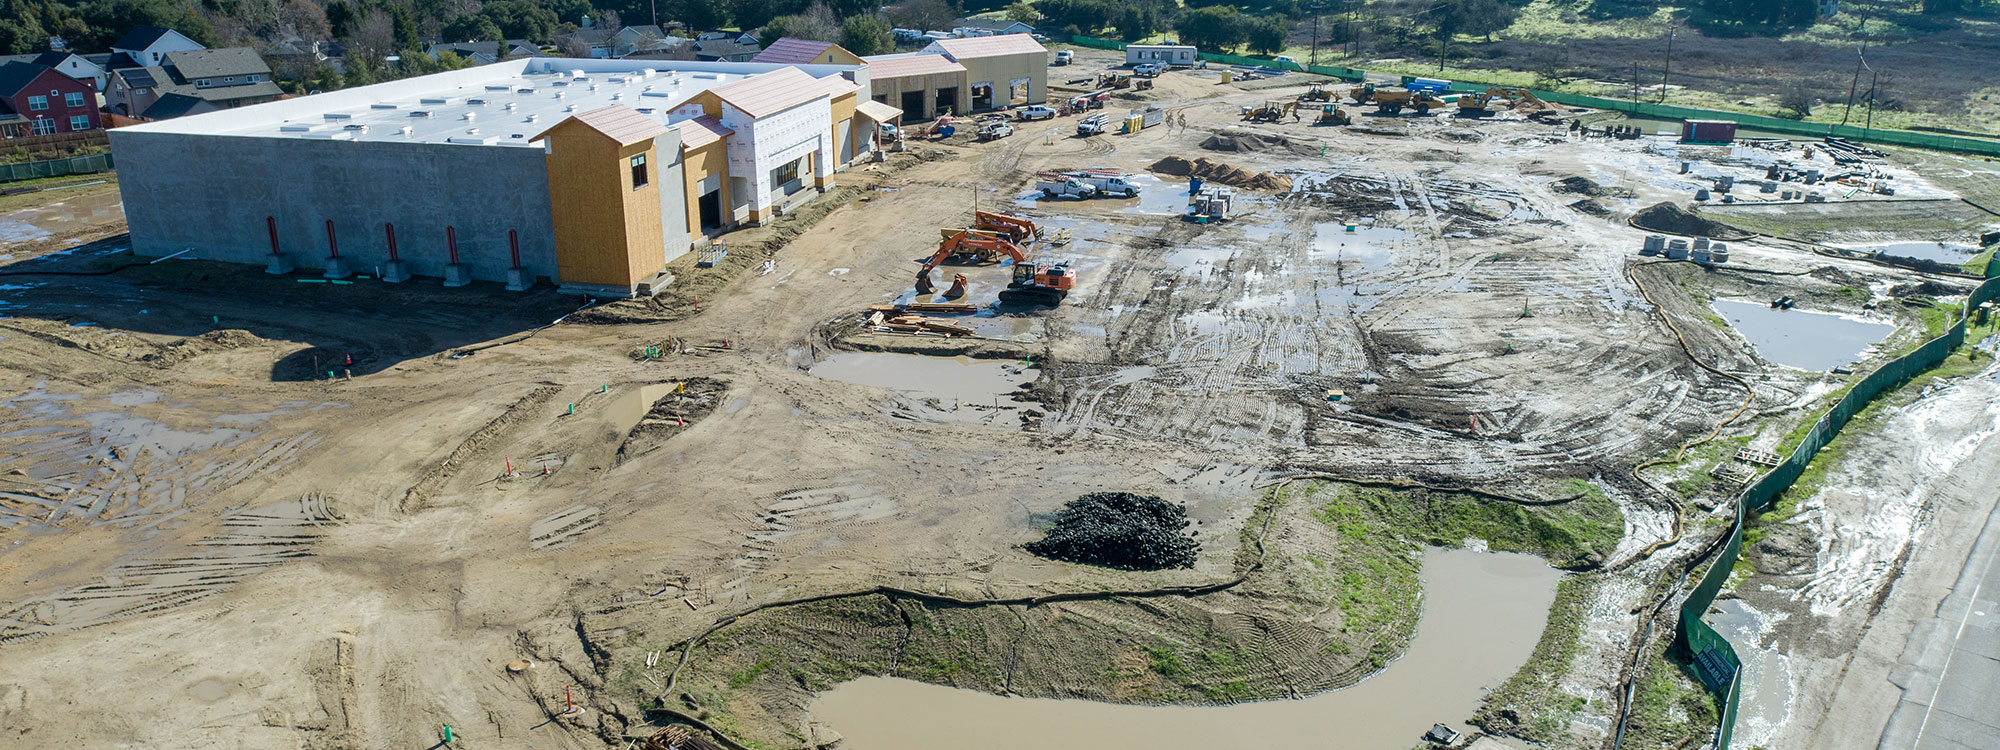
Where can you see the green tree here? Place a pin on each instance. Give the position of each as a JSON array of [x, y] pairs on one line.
[[1136, 22], [1478, 17], [1086, 15], [1022, 12], [924, 15], [698, 14], [361, 66], [817, 24], [1211, 28], [866, 35], [470, 28], [521, 19], [1267, 35]]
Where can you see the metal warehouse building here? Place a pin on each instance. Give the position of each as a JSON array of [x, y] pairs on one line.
[[589, 173]]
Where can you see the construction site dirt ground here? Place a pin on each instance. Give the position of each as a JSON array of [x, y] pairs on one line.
[[206, 541]]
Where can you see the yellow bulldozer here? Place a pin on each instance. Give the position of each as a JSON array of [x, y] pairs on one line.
[[1332, 114], [1483, 102]]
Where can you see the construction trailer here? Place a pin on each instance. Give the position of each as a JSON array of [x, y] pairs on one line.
[[1170, 55], [1708, 132]]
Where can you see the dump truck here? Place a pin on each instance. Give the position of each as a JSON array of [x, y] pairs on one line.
[[1393, 100], [1059, 185], [1108, 182]]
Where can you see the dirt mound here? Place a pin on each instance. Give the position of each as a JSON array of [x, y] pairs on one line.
[[1591, 207], [1436, 154], [1119, 530], [1213, 171], [1672, 219], [1586, 187], [1238, 141]]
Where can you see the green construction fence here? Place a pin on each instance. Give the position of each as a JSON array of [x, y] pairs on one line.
[[55, 167], [1715, 661], [1933, 141]]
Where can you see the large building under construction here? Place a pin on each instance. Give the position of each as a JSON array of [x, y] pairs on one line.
[[588, 173]]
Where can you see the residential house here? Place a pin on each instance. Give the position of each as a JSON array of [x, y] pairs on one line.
[[149, 45], [616, 44], [75, 66], [484, 53], [969, 27], [790, 51], [40, 100], [191, 82], [726, 49]]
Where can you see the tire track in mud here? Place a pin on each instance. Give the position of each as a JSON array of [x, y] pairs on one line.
[[251, 541], [433, 478]]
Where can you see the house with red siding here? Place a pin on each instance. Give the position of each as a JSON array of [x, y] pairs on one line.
[[40, 100]]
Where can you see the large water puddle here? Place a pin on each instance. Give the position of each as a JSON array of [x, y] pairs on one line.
[[949, 388], [1374, 247], [1483, 613], [1806, 340], [1942, 252], [67, 214]]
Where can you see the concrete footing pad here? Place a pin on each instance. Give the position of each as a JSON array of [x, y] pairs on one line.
[[518, 279], [336, 268], [277, 264], [457, 274], [396, 272]]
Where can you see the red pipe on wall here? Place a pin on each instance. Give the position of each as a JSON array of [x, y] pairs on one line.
[[271, 224], [451, 242], [391, 228], [332, 248], [514, 246]]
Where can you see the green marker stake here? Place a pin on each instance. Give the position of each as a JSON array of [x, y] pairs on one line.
[[447, 732], [572, 410]]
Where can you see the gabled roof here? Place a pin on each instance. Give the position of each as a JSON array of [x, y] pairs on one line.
[[142, 78], [53, 59], [789, 51], [215, 63], [176, 105], [770, 93], [648, 31], [989, 46], [15, 76], [906, 66], [617, 122], [701, 131], [721, 48], [141, 37], [117, 61], [995, 24]]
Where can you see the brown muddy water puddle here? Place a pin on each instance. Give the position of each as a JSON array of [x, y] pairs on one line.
[[66, 215], [1483, 613]]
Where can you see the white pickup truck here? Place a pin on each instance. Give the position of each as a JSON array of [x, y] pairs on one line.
[[1108, 182], [1058, 185]]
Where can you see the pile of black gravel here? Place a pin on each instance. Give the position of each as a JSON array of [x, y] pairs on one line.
[[1120, 530]]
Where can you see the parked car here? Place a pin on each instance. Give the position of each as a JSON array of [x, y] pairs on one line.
[[995, 130], [1148, 69], [1057, 185], [1064, 57], [1284, 59], [1093, 125], [1036, 112], [890, 131]]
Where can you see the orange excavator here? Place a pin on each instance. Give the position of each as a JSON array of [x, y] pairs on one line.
[[975, 245], [1016, 229], [1033, 283]]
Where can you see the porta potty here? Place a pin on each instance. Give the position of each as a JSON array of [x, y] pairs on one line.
[[1194, 185]]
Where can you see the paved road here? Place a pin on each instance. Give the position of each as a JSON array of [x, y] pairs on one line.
[[1951, 693]]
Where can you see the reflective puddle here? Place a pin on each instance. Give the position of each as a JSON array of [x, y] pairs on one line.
[[1797, 338], [67, 215], [1483, 613], [956, 378], [1942, 252]]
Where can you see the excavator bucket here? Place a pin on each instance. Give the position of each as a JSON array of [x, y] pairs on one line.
[[957, 289], [924, 284]]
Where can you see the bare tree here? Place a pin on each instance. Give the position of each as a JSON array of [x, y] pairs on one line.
[[374, 37]]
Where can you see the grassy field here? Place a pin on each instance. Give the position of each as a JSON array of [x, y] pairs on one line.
[[50, 189]]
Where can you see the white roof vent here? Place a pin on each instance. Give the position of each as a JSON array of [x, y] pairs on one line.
[[532, 118], [357, 127], [476, 102], [469, 115], [559, 95], [616, 97], [406, 130], [420, 113], [647, 72], [510, 105], [577, 73]]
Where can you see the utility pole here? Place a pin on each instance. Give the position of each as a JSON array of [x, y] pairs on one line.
[[1860, 60], [1315, 53], [1669, 67], [1873, 75], [656, 12], [1635, 88]]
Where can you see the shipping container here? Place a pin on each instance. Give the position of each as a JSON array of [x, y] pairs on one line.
[[1708, 131]]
